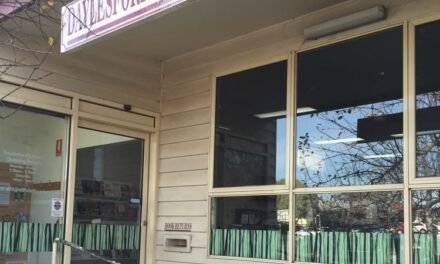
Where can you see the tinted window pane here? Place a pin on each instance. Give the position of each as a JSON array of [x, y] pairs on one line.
[[251, 127], [349, 227], [251, 227], [349, 112], [428, 99], [426, 226]]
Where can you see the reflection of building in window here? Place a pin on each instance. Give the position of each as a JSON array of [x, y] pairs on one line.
[[246, 211], [246, 161], [250, 126]]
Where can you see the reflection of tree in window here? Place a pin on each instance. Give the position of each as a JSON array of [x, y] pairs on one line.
[[427, 99], [348, 211], [244, 165], [349, 114], [428, 136], [356, 161], [426, 207]]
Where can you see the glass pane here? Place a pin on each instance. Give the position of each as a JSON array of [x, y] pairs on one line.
[[425, 226], [107, 211], [33, 154], [250, 139], [250, 227], [349, 228], [349, 112], [428, 99]]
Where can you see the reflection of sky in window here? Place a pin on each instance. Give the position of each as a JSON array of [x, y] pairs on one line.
[[281, 149], [340, 163], [426, 100]]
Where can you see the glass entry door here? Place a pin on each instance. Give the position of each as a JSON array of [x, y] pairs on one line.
[[33, 155], [108, 216]]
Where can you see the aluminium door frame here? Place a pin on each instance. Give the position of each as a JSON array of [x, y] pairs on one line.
[[98, 121]]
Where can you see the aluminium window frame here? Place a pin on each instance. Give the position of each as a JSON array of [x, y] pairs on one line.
[[412, 24], [279, 189], [365, 188], [244, 189], [403, 187], [414, 183]]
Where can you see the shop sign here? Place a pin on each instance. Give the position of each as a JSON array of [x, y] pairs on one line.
[[87, 20], [180, 227]]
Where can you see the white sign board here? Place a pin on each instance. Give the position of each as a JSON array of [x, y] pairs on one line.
[[57, 209], [182, 227], [87, 20]]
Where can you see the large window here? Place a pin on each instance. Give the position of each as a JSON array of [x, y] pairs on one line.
[[349, 134], [361, 137], [32, 179], [250, 152], [426, 199]]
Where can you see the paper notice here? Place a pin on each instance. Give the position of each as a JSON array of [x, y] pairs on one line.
[[57, 209]]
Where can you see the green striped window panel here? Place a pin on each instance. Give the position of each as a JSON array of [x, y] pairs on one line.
[[349, 247], [325, 247], [38, 237], [264, 244]]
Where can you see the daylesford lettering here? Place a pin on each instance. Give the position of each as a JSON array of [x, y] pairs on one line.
[[86, 20], [86, 13]]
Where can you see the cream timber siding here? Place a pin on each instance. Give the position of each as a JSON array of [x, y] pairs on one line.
[[277, 40], [113, 77], [34, 98], [183, 167], [186, 118]]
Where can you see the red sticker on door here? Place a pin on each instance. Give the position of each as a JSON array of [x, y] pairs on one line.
[[59, 147]]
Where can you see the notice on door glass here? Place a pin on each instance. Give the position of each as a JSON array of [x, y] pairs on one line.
[[57, 209]]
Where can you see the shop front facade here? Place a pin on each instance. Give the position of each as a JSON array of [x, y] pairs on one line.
[[265, 148]]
